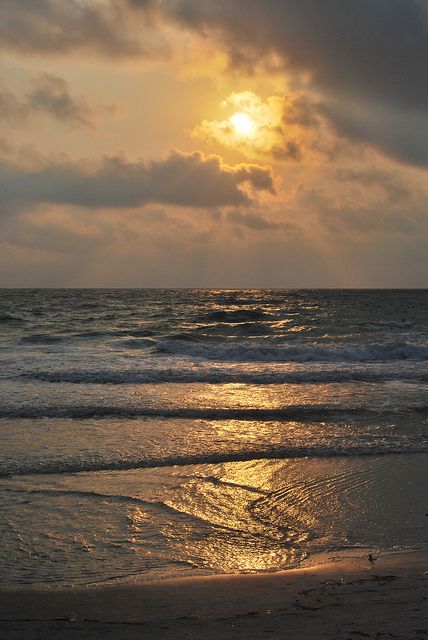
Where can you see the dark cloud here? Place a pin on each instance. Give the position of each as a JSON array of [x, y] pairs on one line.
[[65, 26], [399, 134], [49, 95], [189, 180], [365, 48]]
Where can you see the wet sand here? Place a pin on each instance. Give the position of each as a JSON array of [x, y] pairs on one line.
[[339, 598]]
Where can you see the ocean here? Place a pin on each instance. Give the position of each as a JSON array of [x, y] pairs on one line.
[[165, 433]]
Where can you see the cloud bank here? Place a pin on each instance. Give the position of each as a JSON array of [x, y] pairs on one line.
[[182, 179], [52, 27]]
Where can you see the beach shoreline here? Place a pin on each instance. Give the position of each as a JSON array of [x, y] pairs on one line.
[[341, 597]]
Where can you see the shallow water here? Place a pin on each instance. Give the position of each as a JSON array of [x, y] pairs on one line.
[[162, 433]]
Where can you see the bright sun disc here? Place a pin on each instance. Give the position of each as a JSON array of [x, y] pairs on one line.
[[242, 124]]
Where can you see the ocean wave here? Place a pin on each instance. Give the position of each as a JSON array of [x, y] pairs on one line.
[[255, 352], [384, 446], [111, 333], [140, 333], [291, 412], [421, 409], [223, 376], [221, 330], [5, 318], [129, 336], [218, 333], [85, 494], [136, 343]]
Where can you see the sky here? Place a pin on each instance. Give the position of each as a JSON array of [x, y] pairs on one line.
[[213, 143]]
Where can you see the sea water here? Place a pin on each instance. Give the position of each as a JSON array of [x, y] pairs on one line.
[[160, 433]]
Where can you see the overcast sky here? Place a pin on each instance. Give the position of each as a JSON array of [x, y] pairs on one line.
[[214, 143]]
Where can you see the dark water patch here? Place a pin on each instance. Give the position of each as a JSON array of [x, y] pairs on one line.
[[185, 336], [253, 329], [235, 329], [114, 333], [423, 410], [240, 315], [137, 343], [141, 333], [41, 339], [6, 319]]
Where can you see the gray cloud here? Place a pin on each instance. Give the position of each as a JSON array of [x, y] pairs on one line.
[[50, 95], [391, 184], [65, 26], [11, 108], [362, 219], [189, 180], [364, 48], [252, 221], [399, 134], [367, 221]]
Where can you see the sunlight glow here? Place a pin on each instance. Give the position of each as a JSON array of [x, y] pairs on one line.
[[254, 126], [242, 123]]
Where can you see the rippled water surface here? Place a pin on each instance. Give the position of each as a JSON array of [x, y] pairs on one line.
[[167, 432]]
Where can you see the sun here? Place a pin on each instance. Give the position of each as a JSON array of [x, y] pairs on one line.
[[242, 124]]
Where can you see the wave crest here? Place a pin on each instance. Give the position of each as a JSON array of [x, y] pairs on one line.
[[246, 351], [364, 447]]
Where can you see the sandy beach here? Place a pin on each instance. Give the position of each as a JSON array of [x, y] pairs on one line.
[[338, 598]]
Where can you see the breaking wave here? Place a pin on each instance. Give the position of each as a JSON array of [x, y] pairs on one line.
[[247, 351], [223, 376], [291, 412], [362, 447]]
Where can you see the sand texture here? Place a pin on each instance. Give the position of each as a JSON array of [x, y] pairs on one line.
[[387, 598]]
